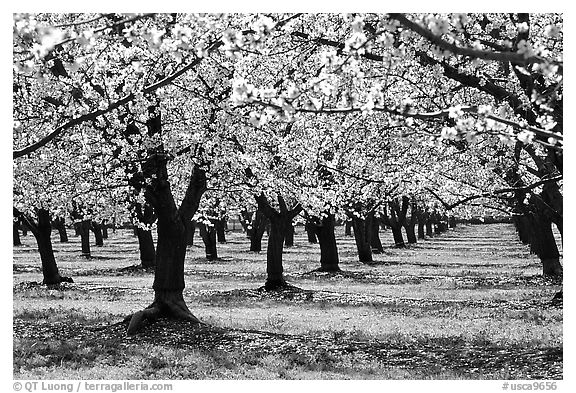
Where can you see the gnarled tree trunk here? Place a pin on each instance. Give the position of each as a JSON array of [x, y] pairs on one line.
[[279, 223], [171, 230]]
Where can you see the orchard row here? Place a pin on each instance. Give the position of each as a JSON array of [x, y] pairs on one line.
[[164, 119]]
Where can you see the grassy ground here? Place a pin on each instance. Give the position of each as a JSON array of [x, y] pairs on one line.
[[469, 304]]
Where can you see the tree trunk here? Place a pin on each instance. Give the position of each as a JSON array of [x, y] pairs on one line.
[[77, 229], [104, 230], [429, 228], [410, 228], [348, 228], [146, 246], [328, 248], [375, 242], [171, 228], [544, 245], [97, 229], [84, 229], [397, 235], [257, 231], [421, 228], [362, 235], [246, 222], [310, 229], [15, 235], [208, 234], [274, 268], [522, 224], [43, 235], [289, 238], [170, 251], [279, 223], [190, 229], [60, 225], [220, 226], [452, 222]]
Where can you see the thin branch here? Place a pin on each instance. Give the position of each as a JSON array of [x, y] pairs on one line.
[[115, 105], [448, 206], [82, 22], [474, 53], [429, 116]]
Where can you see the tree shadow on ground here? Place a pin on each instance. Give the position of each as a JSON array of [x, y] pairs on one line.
[[472, 359]]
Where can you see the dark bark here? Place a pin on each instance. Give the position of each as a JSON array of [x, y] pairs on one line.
[[452, 222], [171, 243], [274, 267], [544, 245], [310, 229], [398, 237], [256, 232], [395, 217], [325, 232], [279, 223], [60, 225], [421, 217], [145, 217], [375, 242], [146, 247], [246, 222], [171, 230], [220, 226], [410, 223], [289, 238], [421, 229], [437, 223], [429, 227], [42, 231], [348, 228], [208, 233], [411, 233], [97, 229], [362, 236], [104, 230], [190, 230], [84, 229], [43, 237], [16, 235], [534, 225]]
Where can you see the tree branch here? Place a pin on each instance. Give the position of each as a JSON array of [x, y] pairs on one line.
[[115, 105], [474, 53], [448, 206]]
